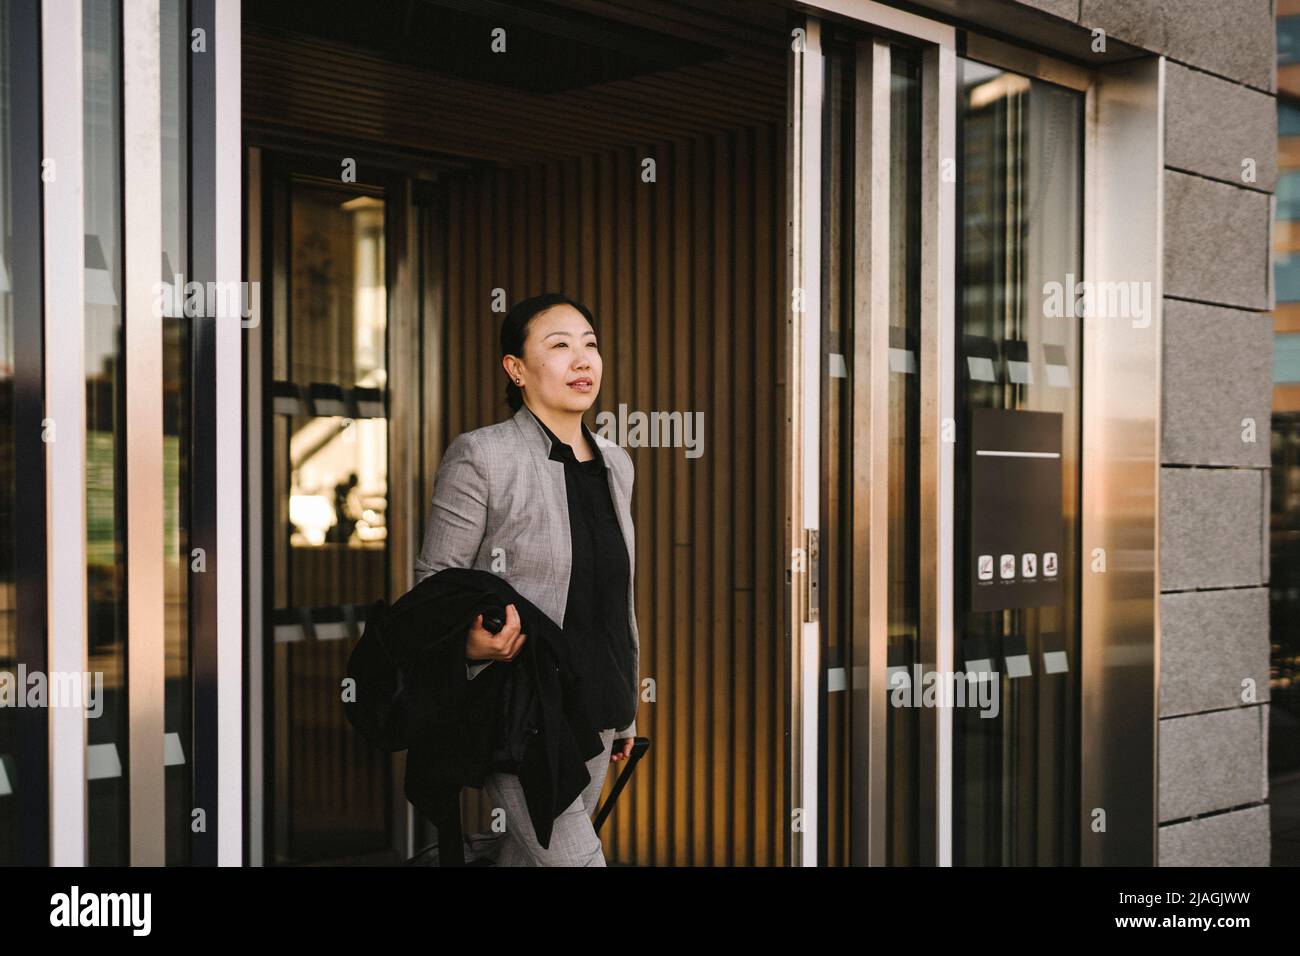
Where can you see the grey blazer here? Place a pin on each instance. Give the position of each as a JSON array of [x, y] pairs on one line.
[[500, 504]]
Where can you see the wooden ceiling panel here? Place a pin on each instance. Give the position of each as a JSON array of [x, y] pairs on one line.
[[311, 85]]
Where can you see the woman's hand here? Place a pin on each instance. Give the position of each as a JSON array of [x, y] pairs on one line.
[[621, 749], [482, 645]]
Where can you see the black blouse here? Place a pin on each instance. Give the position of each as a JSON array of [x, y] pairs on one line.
[[595, 618]]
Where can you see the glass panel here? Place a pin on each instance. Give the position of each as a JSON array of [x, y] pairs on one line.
[[105, 551], [178, 717], [9, 816], [838, 520], [836, 492], [903, 724], [331, 793], [837, 448], [1015, 790], [1283, 731], [1284, 659]]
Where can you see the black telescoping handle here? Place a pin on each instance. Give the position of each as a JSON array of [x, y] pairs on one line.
[[639, 747]]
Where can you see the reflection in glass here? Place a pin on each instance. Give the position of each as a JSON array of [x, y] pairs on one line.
[[903, 724], [178, 716], [1284, 597], [840, 510], [836, 543], [1284, 501], [330, 792], [9, 817], [105, 551], [1015, 776]]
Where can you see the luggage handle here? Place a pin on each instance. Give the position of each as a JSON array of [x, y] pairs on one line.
[[639, 747]]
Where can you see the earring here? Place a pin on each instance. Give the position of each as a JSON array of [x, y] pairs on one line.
[[516, 381]]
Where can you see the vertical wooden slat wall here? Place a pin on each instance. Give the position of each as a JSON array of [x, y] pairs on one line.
[[685, 276]]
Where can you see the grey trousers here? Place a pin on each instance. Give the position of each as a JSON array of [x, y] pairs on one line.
[[573, 840]]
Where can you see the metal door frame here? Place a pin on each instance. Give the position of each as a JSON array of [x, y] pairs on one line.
[[1119, 635], [803, 404]]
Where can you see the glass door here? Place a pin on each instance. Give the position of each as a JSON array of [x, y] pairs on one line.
[[948, 452], [870, 462], [1016, 755], [328, 506]]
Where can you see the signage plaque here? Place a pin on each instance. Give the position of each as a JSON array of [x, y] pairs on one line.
[[1017, 528]]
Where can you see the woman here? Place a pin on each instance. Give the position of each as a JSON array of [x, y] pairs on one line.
[[545, 504]]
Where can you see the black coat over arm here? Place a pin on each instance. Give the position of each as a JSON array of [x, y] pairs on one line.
[[525, 716]]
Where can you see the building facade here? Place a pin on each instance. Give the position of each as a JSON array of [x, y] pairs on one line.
[[939, 333]]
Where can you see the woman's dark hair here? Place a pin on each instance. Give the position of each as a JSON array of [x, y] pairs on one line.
[[514, 332]]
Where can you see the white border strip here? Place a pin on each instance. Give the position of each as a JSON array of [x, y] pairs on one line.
[[230, 411], [65, 409]]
